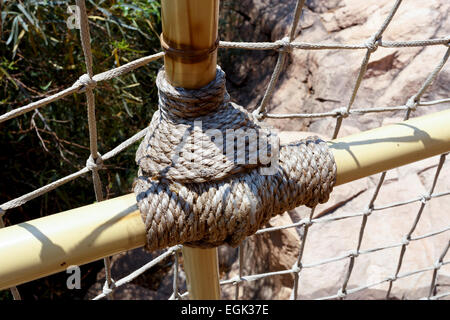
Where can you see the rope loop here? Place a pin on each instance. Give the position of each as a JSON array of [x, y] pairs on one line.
[[96, 164], [86, 82], [284, 45]]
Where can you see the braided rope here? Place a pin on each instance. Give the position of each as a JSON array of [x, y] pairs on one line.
[[186, 123], [88, 82], [196, 195]]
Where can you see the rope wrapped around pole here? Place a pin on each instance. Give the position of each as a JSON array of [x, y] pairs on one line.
[[196, 187]]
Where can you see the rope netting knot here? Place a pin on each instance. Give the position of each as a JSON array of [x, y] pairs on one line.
[[412, 103], [425, 197], [341, 294], [373, 43], [406, 240], [297, 268], [86, 82], [108, 288], [95, 164], [368, 211], [210, 173], [341, 112], [285, 45], [353, 254]]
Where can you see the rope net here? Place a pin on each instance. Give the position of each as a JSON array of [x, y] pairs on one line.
[[87, 82]]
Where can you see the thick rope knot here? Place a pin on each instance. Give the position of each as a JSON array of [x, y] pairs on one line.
[[87, 82], [284, 45], [193, 135], [219, 177], [96, 164]]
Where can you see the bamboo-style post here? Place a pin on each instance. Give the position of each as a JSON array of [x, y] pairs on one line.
[[190, 40], [44, 246]]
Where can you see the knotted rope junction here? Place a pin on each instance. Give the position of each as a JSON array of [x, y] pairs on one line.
[[190, 190]]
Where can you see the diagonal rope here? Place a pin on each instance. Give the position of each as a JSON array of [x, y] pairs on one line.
[[437, 266], [261, 110], [372, 47], [95, 160], [407, 238], [298, 264]]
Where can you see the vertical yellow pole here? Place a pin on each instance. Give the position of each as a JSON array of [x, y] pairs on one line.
[[190, 41]]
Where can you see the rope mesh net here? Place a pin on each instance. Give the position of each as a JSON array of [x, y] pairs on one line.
[[87, 82]]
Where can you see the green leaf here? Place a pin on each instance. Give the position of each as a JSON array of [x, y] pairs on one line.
[[46, 86]]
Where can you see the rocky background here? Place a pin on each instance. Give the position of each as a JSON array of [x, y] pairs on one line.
[[318, 81]]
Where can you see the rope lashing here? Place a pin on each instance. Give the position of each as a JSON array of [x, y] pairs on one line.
[[190, 191], [179, 143]]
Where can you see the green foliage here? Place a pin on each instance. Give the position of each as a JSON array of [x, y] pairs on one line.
[[41, 56]]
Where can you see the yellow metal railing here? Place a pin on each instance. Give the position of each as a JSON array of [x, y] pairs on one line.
[[48, 245]]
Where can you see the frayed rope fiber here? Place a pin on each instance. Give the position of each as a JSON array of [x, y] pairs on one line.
[[190, 191]]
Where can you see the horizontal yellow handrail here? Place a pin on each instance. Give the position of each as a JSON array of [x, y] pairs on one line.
[[47, 245], [392, 146]]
